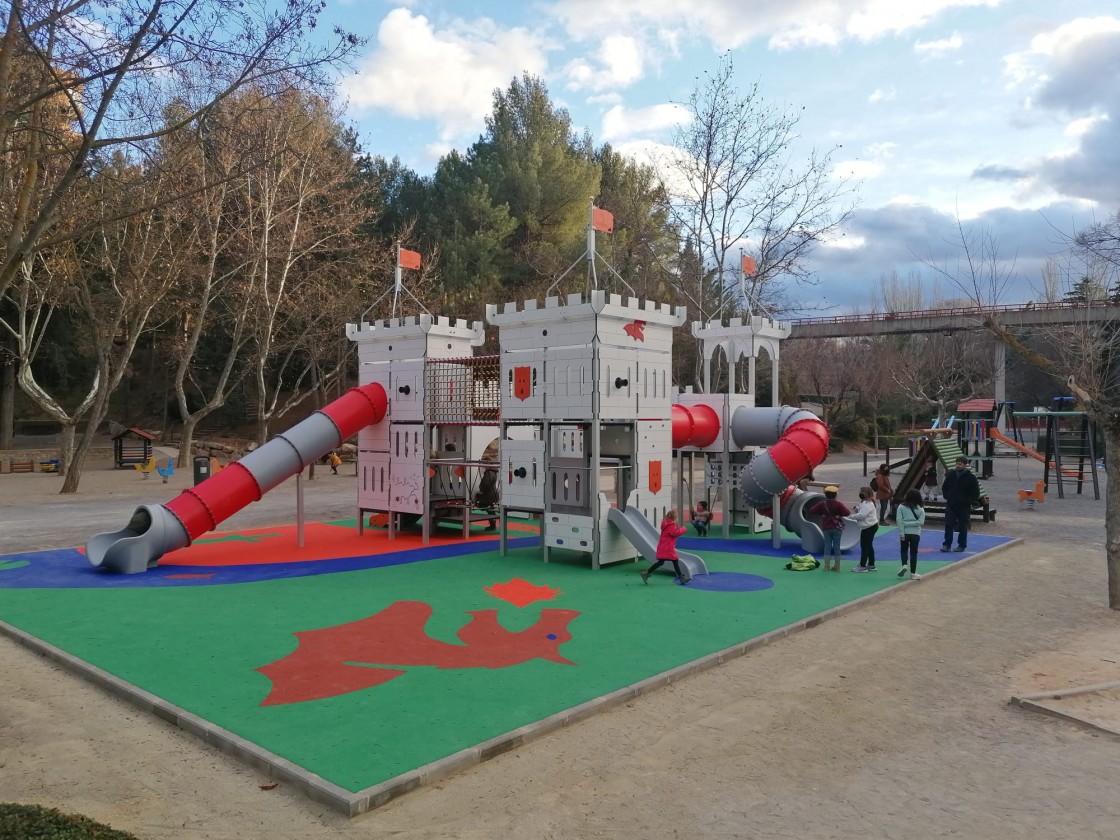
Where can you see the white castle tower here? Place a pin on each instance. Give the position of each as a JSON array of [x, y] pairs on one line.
[[586, 417], [443, 409]]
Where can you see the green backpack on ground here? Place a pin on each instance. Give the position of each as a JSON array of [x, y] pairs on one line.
[[803, 563]]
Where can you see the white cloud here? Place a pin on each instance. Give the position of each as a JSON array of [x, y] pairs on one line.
[[448, 75], [936, 49], [880, 95], [620, 123], [860, 170], [619, 65], [1081, 127], [1061, 44], [728, 24], [1072, 70], [876, 18]]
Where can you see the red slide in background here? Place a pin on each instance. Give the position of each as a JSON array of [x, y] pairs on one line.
[[996, 434]]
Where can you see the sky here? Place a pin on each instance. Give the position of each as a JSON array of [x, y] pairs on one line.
[[1000, 115]]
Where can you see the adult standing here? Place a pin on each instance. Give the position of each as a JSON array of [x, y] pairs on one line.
[[866, 516], [961, 491], [884, 492]]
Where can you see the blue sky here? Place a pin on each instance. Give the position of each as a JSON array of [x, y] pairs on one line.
[[1004, 113]]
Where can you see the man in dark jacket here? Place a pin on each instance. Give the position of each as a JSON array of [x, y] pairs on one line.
[[961, 491]]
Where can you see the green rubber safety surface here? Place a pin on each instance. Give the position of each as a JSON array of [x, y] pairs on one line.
[[431, 692]]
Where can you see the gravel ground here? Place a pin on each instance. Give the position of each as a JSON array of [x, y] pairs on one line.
[[889, 722]]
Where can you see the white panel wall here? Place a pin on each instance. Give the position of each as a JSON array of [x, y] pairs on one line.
[[523, 491], [374, 480], [407, 390], [617, 402], [532, 407]]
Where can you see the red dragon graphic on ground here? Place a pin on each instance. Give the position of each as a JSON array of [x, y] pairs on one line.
[[371, 651]]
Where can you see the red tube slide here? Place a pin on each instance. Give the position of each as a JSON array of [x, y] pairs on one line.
[[202, 507], [155, 530]]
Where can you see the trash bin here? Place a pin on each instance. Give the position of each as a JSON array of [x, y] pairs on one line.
[[201, 469]]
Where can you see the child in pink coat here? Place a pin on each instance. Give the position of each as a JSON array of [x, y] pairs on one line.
[[667, 548]]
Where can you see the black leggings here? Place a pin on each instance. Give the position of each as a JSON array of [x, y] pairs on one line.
[[660, 563], [867, 547], [908, 544]]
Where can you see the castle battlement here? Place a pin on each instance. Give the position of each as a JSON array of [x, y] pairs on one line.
[[417, 325], [757, 326], [576, 306]]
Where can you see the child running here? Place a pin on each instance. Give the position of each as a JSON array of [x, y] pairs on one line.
[[667, 548], [910, 517]]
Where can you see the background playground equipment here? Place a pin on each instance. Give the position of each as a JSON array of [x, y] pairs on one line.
[[166, 471], [131, 447], [147, 468], [1070, 437], [940, 446], [1037, 495], [154, 530], [978, 430]]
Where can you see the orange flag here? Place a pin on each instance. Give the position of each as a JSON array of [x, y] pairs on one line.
[[749, 266], [602, 220], [408, 259]]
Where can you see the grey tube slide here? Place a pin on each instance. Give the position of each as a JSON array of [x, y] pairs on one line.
[[798, 442]]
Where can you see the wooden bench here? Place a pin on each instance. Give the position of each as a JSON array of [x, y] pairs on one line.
[[984, 510], [22, 467]]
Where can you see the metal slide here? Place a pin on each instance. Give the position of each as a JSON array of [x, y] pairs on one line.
[[996, 434], [798, 442], [644, 536], [154, 530]]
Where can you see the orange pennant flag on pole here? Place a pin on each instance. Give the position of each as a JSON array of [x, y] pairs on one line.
[[602, 220], [408, 259], [749, 266]]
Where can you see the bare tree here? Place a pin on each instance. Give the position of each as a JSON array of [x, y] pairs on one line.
[[108, 284], [81, 78], [822, 368], [202, 309], [736, 186], [1083, 355], [941, 370], [299, 213]]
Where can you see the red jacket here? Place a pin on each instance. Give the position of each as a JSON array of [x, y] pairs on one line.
[[667, 545]]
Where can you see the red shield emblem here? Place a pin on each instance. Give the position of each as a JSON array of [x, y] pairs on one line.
[[522, 382]]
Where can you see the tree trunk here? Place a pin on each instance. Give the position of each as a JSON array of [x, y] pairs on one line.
[[1112, 511], [186, 442], [68, 465], [8, 406]]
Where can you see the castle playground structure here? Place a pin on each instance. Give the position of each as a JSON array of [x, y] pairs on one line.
[[587, 420], [577, 413]]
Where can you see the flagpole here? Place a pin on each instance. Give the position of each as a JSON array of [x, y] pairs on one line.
[[397, 283]]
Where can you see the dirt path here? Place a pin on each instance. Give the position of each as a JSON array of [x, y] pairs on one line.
[[889, 722]]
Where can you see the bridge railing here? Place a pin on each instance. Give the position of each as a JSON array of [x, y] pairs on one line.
[[949, 312]]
